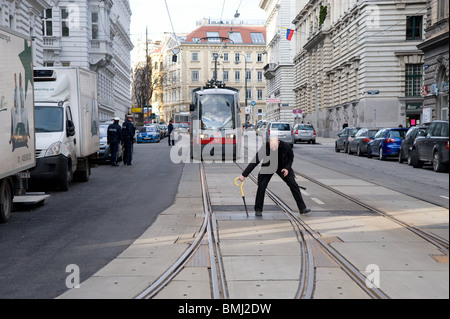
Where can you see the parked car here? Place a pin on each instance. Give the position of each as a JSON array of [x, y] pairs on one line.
[[261, 127], [305, 133], [181, 128], [104, 153], [282, 130], [343, 138], [404, 153], [164, 130], [358, 143], [432, 146], [386, 143], [149, 134]]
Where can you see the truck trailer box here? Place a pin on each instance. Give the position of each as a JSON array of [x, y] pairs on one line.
[[77, 87], [17, 136], [17, 132]]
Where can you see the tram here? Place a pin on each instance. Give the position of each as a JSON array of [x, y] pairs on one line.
[[215, 122]]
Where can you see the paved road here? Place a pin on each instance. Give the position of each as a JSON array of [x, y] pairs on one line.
[[88, 226]]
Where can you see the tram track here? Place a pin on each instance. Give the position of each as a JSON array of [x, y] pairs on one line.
[[208, 231], [306, 237], [437, 241]]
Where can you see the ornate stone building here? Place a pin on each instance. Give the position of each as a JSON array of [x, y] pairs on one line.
[[436, 71], [358, 61]]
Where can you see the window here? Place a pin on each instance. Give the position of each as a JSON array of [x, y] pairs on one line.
[[248, 75], [237, 57], [257, 37], [260, 57], [195, 40], [260, 76], [414, 28], [94, 16], [65, 22], [236, 37], [65, 64], [260, 97], [194, 56], [237, 76], [47, 23], [225, 76], [225, 57], [413, 79], [213, 37], [249, 94], [442, 11], [249, 57], [195, 76]]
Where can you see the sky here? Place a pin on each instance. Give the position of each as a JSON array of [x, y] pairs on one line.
[[184, 14]]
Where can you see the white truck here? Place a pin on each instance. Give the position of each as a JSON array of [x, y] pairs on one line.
[[67, 128], [17, 138]]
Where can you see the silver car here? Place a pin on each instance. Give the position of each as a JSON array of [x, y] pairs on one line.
[[305, 133], [282, 130]]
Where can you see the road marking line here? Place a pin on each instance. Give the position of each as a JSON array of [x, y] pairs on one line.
[[318, 201]]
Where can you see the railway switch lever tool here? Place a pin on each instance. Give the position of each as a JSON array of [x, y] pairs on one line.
[[242, 192]]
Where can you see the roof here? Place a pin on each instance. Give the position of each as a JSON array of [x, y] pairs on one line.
[[224, 32]]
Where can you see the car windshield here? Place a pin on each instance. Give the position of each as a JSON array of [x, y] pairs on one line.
[[184, 125], [397, 134], [149, 129], [281, 127], [217, 111], [49, 119]]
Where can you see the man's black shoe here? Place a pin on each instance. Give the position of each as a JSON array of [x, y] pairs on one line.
[[257, 213], [305, 211]]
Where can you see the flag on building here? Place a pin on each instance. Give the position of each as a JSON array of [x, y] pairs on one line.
[[290, 34]]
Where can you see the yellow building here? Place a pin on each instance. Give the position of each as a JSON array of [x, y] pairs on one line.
[[240, 52], [157, 100]]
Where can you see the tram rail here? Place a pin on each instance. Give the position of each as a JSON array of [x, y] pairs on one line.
[[208, 230], [306, 289], [437, 241]]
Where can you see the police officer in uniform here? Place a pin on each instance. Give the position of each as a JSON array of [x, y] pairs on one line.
[[128, 132], [114, 137]]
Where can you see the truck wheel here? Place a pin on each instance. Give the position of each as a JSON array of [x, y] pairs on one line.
[[67, 178], [6, 201]]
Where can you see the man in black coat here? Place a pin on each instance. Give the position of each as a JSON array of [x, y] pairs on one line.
[[276, 157], [114, 137]]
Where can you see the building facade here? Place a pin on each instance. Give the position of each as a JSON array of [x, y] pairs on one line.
[[436, 70], [93, 34], [240, 64], [358, 61], [25, 17], [279, 70]]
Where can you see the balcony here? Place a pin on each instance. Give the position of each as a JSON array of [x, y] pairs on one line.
[[269, 70], [51, 44]]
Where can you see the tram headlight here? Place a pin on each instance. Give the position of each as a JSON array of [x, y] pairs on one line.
[[231, 136], [204, 137]]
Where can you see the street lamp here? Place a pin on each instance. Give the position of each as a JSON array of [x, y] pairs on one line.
[[246, 98]]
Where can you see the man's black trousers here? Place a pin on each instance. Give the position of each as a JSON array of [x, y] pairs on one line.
[[263, 181]]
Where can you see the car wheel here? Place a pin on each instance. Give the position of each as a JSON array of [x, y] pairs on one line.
[[358, 151], [336, 149], [381, 154], [438, 166], [415, 162]]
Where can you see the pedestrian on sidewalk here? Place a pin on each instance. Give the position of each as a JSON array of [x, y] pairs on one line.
[[171, 133], [114, 137], [276, 157], [128, 132]]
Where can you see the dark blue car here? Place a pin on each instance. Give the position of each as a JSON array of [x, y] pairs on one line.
[[386, 143]]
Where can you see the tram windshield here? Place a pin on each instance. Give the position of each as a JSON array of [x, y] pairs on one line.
[[217, 111]]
